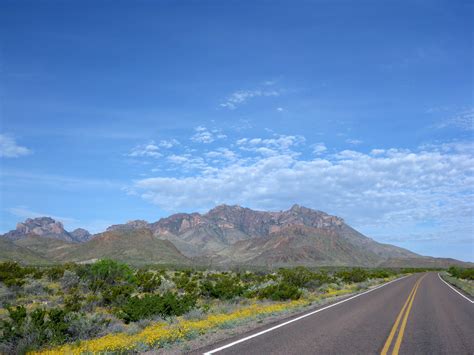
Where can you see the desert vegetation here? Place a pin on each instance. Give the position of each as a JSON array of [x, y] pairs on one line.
[[111, 306], [462, 278]]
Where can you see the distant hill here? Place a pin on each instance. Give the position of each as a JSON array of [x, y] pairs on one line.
[[12, 252], [226, 235], [132, 246]]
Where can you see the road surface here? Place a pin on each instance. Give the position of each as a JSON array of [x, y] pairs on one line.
[[418, 314]]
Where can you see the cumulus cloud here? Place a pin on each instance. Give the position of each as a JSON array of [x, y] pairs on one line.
[[386, 189], [319, 148], [240, 97], [168, 143], [271, 146], [206, 136], [10, 149], [150, 150]]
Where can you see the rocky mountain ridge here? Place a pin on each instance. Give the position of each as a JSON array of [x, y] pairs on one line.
[[48, 228], [225, 235]]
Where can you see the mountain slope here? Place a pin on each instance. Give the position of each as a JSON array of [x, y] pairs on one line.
[[131, 246], [12, 252], [51, 249]]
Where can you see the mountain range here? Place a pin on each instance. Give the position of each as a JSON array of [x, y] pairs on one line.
[[224, 236]]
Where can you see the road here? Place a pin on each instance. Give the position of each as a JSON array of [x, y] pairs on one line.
[[418, 314]]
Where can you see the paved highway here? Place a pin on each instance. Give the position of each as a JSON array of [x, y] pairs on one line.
[[419, 314]]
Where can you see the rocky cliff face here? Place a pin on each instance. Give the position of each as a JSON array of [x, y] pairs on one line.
[[48, 228], [250, 222]]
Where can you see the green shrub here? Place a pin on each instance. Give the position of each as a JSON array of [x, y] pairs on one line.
[[13, 274], [462, 273], [224, 287], [147, 281], [380, 273], [302, 277], [106, 272], [24, 331], [353, 275], [280, 292], [167, 305], [117, 295]]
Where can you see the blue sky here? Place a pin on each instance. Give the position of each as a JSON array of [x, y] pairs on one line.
[[113, 111]]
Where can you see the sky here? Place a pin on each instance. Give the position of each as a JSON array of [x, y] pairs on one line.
[[118, 110]]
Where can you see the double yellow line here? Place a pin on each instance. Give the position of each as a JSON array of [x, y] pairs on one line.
[[403, 313]]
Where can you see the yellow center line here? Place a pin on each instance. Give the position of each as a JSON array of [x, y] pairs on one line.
[[399, 317], [396, 348]]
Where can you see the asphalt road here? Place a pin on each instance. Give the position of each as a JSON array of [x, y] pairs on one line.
[[415, 315]]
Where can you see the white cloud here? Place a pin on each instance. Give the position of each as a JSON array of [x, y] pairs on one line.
[[392, 189], [221, 153], [354, 141], [146, 150], [10, 149], [240, 97], [271, 146], [377, 151], [319, 148], [168, 143], [280, 109], [463, 120], [206, 136], [188, 162]]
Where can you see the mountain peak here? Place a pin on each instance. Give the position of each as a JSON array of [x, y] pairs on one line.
[[40, 226], [81, 235], [46, 227]]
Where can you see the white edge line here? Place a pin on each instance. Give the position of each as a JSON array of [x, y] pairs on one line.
[[298, 318], [454, 289]]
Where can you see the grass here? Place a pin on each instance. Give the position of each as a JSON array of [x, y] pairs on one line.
[[465, 285]]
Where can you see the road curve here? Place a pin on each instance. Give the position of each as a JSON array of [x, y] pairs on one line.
[[415, 315]]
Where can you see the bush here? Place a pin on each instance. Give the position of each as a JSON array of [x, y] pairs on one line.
[[84, 326], [27, 331], [34, 287], [147, 281], [461, 273], [109, 272], [69, 280], [380, 273], [280, 292], [353, 275], [54, 273], [224, 287], [302, 277], [12, 274], [117, 295], [167, 305]]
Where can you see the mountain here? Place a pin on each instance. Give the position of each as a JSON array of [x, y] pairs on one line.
[[226, 235], [48, 228], [137, 246], [298, 236]]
